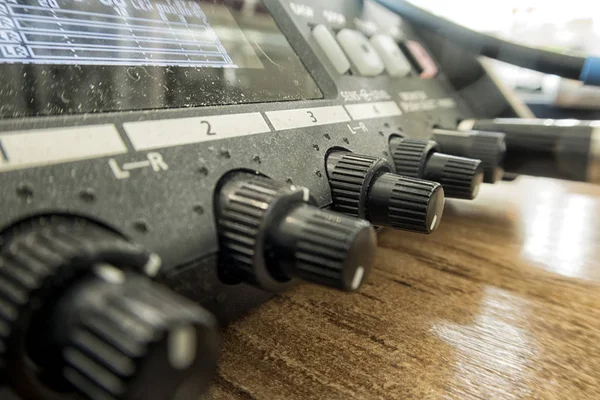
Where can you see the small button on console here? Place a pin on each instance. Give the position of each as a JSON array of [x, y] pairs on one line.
[[428, 67], [369, 28], [361, 52], [331, 48], [395, 61]]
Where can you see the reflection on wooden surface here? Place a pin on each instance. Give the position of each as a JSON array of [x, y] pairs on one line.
[[503, 301]]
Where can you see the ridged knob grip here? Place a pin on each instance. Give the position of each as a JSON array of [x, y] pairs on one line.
[[248, 206], [41, 259], [489, 147], [124, 337], [270, 235], [364, 186], [350, 176], [245, 210], [461, 177], [324, 247], [410, 155], [406, 203], [71, 321]]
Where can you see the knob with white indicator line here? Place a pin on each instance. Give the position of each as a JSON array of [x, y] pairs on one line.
[[121, 336], [270, 234], [323, 247], [84, 318], [365, 187], [461, 177]]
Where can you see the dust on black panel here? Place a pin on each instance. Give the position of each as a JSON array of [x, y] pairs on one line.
[[65, 57]]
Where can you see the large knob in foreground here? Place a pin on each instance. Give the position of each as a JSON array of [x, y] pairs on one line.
[[365, 187], [461, 177], [270, 234], [121, 336], [80, 316], [489, 147]]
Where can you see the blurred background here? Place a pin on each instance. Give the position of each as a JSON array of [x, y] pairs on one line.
[[567, 27]]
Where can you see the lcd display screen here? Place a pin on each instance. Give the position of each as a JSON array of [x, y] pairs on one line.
[[77, 56]]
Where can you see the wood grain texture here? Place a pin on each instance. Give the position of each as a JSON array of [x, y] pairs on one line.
[[503, 301]]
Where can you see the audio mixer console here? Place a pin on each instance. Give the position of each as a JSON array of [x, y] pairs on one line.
[[167, 165]]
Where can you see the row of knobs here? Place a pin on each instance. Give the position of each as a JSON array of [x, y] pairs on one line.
[[272, 233], [81, 314]]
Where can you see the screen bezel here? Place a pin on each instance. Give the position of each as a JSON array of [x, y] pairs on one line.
[[39, 89]]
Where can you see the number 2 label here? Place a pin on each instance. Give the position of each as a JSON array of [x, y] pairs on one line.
[[208, 128]]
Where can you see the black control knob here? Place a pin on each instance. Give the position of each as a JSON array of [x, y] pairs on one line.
[[43, 266], [461, 177], [564, 149], [364, 186], [323, 247], [406, 203], [270, 234], [489, 147], [122, 336]]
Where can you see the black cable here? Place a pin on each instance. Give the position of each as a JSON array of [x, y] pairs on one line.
[[548, 62]]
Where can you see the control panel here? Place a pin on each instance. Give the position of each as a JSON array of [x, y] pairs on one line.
[[168, 165]]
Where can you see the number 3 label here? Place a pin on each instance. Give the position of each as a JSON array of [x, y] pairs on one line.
[[312, 116]]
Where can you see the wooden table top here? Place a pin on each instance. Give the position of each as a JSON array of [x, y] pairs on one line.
[[503, 301]]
